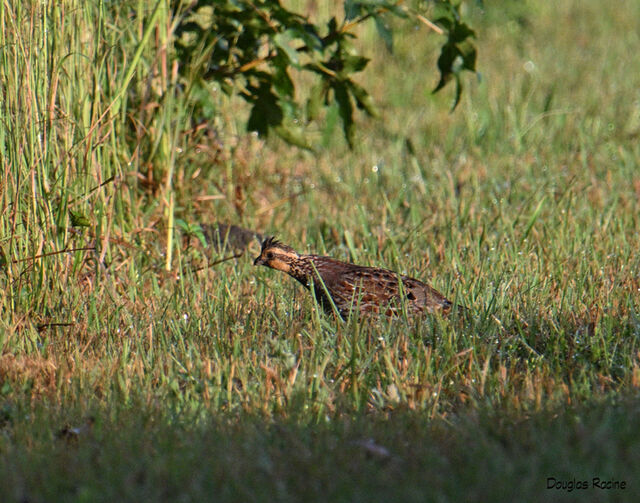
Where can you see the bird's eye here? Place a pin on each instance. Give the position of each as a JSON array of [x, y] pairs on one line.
[[269, 255]]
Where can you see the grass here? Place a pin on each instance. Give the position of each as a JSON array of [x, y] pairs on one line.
[[125, 373]]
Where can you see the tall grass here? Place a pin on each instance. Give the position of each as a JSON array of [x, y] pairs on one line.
[[523, 205]]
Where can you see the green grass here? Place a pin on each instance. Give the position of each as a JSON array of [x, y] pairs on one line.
[[227, 382]]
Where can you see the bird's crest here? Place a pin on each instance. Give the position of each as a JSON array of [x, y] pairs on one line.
[[272, 242], [269, 242]]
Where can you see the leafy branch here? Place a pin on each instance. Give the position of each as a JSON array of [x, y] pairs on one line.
[[250, 47]]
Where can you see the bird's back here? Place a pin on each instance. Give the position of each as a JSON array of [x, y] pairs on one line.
[[372, 289]]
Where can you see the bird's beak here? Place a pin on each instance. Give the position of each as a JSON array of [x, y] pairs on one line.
[[258, 261]]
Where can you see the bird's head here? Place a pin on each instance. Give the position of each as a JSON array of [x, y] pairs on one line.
[[276, 255]]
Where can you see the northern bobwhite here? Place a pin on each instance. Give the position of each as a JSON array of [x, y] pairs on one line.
[[231, 236], [369, 289]]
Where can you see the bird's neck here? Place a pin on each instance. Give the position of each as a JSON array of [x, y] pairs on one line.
[[303, 269]]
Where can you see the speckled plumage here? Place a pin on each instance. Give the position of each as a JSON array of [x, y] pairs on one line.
[[369, 289]]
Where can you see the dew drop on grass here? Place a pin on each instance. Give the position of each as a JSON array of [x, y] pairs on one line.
[[375, 168]]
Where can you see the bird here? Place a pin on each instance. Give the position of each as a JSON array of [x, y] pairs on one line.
[[345, 287], [225, 236]]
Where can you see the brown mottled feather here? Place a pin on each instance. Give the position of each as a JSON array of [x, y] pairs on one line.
[[370, 289]]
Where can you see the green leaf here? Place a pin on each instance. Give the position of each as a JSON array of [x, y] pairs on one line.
[[294, 136], [352, 9], [282, 83], [309, 35], [363, 99], [469, 54], [203, 17], [314, 103], [266, 111], [78, 219], [461, 32], [345, 108], [197, 232], [458, 94], [448, 54], [283, 41], [354, 63], [385, 32], [192, 230], [227, 87]]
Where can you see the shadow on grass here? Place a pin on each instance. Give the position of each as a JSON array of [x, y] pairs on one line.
[[480, 454]]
